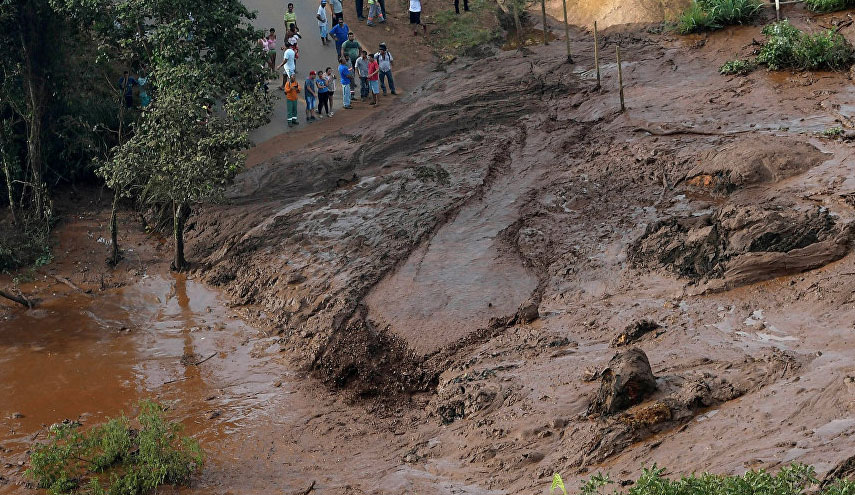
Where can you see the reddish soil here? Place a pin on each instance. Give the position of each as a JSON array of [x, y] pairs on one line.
[[456, 273]]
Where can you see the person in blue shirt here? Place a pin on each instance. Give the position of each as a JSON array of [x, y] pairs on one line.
[[345, 72], [126, 84], [339, 32]]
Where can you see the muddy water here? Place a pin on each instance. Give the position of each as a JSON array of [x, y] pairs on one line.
[[83, 358]]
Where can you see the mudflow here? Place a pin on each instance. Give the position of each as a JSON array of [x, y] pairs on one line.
[[505, 277]]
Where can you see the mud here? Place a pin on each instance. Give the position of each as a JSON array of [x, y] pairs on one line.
[[442, 286]]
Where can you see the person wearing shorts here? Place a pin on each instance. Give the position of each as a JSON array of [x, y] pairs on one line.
[[322, 21], [310, 95], [373, 78], [416, 16]]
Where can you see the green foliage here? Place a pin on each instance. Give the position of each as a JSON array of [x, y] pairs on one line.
[[737, 67], [596, 483], [25, 243], [460, 34], [788, 47], [833, 132], [129, 461], [709, 15], [557, 484], [829, 5]]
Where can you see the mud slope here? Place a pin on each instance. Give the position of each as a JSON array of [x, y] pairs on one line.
[[613, 12], [489, 241]]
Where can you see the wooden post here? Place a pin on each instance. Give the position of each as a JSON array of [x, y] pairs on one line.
[[567, 33], [597, 54], [543, 9], [620, 78], [778, 9]]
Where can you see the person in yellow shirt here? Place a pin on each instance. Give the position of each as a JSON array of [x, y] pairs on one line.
[[292, 89], [290, 17]]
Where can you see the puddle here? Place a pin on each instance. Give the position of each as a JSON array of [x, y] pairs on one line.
[[85, 359]]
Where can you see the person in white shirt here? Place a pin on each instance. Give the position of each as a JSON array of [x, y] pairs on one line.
[[416, 16], [385, 59], [288, 65], [322, 21]]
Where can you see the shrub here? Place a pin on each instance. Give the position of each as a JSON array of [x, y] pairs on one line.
[[829, 5], [788, 47], [129, 461], [795, 479], [462, 34], [737, 67], [709, 15]]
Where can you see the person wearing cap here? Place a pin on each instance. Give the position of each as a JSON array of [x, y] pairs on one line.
[[339, 34], [311, 96], [322, 21], [385, 60], [290, 16]]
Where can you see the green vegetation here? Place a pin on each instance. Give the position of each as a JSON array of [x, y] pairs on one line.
[[833, 132], [796, 479], [114, 458], [787, 47], [463, 34], [737, 67], [60, 124], [709, 15], [829, 5]]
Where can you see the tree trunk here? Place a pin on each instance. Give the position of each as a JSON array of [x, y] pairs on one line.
[[116, 254], [35, 88], [518, 24], [181, 211], [7, 170]]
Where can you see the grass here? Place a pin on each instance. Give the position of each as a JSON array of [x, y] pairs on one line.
[[115, 458], [833, 132], [710, 15], [829, 5], [787, 47], [796, 479], [463, 34], [737, 67]]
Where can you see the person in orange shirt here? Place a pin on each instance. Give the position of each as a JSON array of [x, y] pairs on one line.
[[292, 88]]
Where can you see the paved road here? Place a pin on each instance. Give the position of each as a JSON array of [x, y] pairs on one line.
[[313, 55]]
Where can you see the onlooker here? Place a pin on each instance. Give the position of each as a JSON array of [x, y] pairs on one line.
[[126, 84], [288, 65], [322, 21], [416, 16], [345, 71], [359, 6], [351, 48], [331, 85], [362, 72], [373, 78], [311, 96], [385, 59], [374, 11], [339, 34], [338, 15], [290, 16], [457, 6], [270, 48], [293, 37], [145, 99], [292, 88], [323, 94]]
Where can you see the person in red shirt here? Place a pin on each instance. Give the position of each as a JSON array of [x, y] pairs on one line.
[[373, 78]]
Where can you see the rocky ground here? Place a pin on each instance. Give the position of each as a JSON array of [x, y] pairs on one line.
[[477, 271]]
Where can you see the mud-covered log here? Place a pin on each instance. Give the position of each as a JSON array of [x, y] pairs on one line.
[[18, 299]]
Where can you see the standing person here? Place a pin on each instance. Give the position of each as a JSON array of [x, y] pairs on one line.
[[345, 71], [374, 11], [126, 84], [293, 38], [416, 16], [362, 72], [290, 16], [373, 78], [331, 85], [385, 59], [359, 7], [288, 65], [322, 21], [350, 49], [457, 6], [292, 88], [323, 94], [270, 48], [310, 88], [338, 15], [339, 34]]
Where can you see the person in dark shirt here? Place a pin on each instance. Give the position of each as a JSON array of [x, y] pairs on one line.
[[126, 84]]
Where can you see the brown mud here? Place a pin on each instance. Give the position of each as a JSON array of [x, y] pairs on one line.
[[456, 273]]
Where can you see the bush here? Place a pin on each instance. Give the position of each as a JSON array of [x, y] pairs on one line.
[[737, 67], [788, 47], [461, 34], [709, 15], [128, 461], [795, 479], [829, 5]]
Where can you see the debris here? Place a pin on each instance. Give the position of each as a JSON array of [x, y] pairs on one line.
[[627, 381], [633, 332]]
